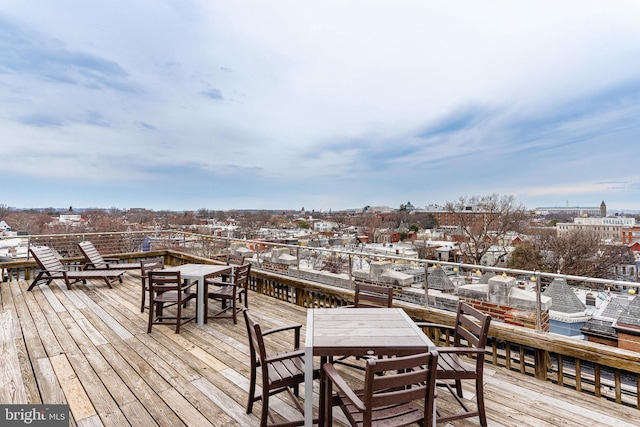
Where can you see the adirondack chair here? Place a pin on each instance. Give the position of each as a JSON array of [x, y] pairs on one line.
[[95, 260], [52, 268]]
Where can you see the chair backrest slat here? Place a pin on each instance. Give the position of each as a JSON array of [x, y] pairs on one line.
[[147, 265], [256, 342], [160, 280], [399, 380], [472, 326], [46, 259], [233, 259], [373, 296], [91, 253]]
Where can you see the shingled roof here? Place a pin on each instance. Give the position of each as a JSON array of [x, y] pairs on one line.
[[631, 314], [563, 299], [439, 281], [599, 328]]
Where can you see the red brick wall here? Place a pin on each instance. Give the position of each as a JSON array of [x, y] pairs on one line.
[[610, 343], [510, 315], [628, 342]]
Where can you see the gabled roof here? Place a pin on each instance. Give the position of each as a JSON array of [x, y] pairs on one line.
[[563, 299]]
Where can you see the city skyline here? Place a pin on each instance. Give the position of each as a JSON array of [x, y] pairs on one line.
[[326, 105]]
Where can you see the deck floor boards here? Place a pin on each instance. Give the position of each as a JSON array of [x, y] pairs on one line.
[[89, 347]]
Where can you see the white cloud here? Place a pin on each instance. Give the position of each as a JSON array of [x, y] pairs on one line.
[[376, 96]]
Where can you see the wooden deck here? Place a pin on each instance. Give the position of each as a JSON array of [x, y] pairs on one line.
[[88, 347]]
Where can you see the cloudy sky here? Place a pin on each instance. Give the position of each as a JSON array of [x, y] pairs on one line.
[[189, 104]]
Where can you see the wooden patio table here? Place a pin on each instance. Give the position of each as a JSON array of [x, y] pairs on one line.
[[356, 332], [200, 272]]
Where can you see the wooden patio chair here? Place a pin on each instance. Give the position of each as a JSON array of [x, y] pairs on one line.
[[232, 259], [228, 292], [280, 371], [367, 296], [392, 387], [166, 288], [147, 265], [464, 360], [52, 268], [93, 259]]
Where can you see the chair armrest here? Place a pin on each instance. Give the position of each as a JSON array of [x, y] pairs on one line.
[[337, 381], [283, 328], [296, 333]]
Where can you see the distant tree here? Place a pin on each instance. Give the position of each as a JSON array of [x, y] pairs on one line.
[[526, 256], [484, 222], [31, 222], [582, 253], [304, 225], [278, 221], [371, 222], [333, 263], [425, 220], [4, 210]]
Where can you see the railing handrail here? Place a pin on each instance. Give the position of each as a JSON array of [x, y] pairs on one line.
[[532, 273]]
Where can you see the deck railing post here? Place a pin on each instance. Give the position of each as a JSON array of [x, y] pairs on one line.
[[536, 276], [298, 261]]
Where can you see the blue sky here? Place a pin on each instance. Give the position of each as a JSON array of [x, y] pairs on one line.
[[189, 104]]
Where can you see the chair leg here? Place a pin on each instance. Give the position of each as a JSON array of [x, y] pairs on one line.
[[234, 307], [179, 317], [480, 402], [459, 388], [252, 388], [152, 309], [265, 408], [144, 295]]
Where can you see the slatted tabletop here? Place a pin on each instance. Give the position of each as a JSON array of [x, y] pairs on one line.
[[88, 347]]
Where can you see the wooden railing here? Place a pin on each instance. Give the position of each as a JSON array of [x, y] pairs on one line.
[[603, 371]]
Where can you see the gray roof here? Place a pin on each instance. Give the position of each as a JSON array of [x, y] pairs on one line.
[[601, 328], [563, 299], [486, 276], [439, 281], [631, 314]]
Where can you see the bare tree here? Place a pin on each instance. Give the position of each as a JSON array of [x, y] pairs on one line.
[[582, 253], [485, 222]]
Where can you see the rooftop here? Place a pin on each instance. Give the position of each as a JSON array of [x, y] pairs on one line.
[[88, 347]]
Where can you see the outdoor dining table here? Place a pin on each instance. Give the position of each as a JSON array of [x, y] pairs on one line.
[[357, 332], [199, 272]]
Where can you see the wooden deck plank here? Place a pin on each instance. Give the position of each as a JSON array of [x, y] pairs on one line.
[[48, 382], [137, 375], [40, 339], [79, 403], [11, 384], [93, 339]]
